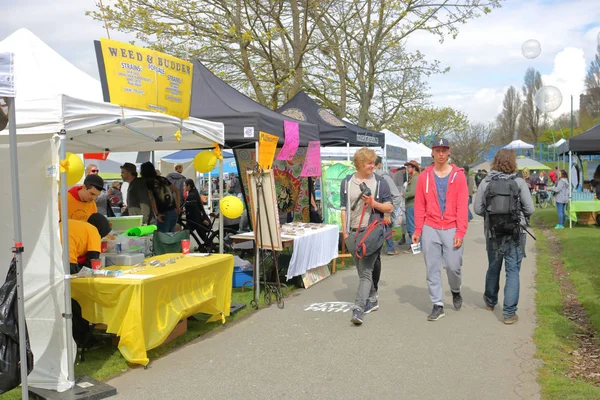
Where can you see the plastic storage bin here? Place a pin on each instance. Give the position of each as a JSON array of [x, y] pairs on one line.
[[240, 277]]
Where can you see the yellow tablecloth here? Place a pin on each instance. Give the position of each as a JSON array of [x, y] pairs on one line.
[[144, 307]]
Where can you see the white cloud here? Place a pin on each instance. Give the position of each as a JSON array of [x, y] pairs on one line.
[[568, 76], [486, 58]]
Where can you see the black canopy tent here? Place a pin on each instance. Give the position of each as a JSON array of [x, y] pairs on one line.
[[587, 143], [332, 130], [215, 100]]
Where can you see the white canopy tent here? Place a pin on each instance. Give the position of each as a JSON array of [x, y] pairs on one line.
[[414, 150], [54, 96], [518, 145], [557, 144]]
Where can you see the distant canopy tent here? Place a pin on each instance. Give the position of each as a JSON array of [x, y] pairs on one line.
[[414, 151], [215, 100], [522, 162], [332, 130], [557, 144], [518, 145]]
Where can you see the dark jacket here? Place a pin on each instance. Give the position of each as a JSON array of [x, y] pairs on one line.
[[382, 195], [194, 209], [138, 201]]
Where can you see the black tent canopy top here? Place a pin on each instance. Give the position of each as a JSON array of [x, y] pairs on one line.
[[215, 100], [586, 143], [332, 130]]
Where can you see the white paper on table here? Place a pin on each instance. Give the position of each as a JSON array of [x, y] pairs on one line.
[[134, 276], [197, 255]]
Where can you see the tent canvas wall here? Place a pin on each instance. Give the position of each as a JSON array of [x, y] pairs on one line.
[[586, 143], [53, 95]]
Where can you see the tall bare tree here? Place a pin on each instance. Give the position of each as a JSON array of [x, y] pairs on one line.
[[470, 144], [531, 119], [506, 121], [591, 104]]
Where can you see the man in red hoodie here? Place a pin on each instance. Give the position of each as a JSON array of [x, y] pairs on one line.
[[441, 220]]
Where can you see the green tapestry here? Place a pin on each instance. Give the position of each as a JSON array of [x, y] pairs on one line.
[[333, 175]]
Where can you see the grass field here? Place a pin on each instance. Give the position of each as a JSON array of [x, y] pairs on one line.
[[554, 335]]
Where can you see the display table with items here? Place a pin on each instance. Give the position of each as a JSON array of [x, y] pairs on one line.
[[588, 210], [142, 304], [314, 245]]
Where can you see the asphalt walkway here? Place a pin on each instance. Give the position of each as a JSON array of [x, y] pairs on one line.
[[310, 350]]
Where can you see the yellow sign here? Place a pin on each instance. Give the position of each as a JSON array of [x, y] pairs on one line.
[[267, 144], [141, 78]]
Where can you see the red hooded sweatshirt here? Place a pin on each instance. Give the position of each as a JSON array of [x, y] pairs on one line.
[[427, 206]]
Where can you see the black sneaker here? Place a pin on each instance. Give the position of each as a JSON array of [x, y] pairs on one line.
[[357, 317], [402, 241], [371, 306], [436, 313], [457, 300]]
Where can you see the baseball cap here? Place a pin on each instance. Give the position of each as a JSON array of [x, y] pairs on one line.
[[95, 181], [129, 167], [441, 142]]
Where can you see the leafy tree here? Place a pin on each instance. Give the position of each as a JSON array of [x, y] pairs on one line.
[[506, 128], [430, 122], [350, 54]]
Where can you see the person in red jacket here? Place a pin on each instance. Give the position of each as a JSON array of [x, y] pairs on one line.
[[441, 220]]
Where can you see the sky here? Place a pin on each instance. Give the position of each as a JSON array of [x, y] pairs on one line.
[[485, 59]]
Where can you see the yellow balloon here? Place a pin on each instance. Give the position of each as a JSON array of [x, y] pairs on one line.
[[231, 207], [205, 161], [74, 168]]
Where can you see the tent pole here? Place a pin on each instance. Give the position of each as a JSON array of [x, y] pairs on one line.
[[68, 315], [18, 252], [348, 152], [570, 188], [221, 217], [210, 206], [257, 252]]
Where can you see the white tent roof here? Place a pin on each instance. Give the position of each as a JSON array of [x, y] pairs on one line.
[[414, 150], [518, 144], [53, 94], [558, 144]]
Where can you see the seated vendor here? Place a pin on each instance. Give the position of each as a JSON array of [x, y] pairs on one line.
[[81, 200], [84, 245], [85, 240]]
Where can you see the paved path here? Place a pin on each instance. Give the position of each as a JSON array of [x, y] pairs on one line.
[[396, 354]]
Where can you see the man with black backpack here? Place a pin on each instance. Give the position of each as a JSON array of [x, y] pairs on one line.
[[504, 201]]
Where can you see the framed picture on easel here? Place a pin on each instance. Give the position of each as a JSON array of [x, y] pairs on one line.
[[263, 201]]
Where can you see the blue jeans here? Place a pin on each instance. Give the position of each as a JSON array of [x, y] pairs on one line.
[[169, 221], [410, 222], [469, 208], [389, 241], [513, 255], [560, 207]]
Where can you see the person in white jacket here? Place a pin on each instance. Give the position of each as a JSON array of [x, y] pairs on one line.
[[561, 197]]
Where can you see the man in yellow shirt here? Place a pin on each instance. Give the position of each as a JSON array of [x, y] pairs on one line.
[[84, 245], [81, 200], [85, 240]]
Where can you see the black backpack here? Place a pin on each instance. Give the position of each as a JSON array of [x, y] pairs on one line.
[[503, 207]]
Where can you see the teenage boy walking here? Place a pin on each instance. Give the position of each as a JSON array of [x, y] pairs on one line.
[[441, 220]]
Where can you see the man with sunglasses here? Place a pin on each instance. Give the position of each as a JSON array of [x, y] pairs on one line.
[[92, 169], [81, 200]]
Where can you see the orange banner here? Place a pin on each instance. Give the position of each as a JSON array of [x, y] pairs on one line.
[[267, 144]]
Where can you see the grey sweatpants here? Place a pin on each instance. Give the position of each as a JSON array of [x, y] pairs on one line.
[[366, 289], [438, 250]]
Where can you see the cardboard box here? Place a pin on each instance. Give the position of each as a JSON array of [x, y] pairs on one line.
[[586, 218]]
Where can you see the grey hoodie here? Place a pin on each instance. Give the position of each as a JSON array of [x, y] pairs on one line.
[[178, 181], [527, 207], [561, 191]]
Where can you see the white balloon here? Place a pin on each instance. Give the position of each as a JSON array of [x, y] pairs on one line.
[[598, 38], [548, 99], [531, 48]]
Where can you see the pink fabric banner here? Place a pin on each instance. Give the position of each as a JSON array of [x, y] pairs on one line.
[[292, 140], [312, 164]]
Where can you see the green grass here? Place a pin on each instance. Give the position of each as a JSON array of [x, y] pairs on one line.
[[106, 361], [554, 333]]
